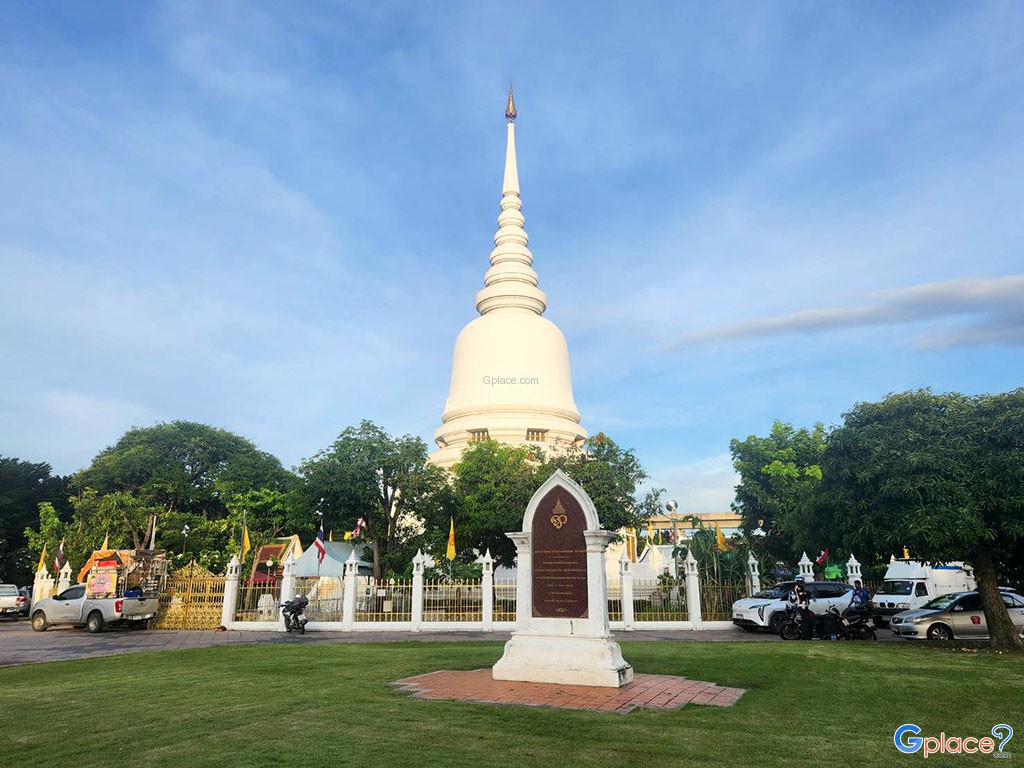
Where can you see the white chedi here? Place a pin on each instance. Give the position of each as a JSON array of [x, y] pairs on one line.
[[511, 379]]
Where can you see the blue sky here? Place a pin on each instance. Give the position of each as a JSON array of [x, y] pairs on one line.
[[274, 217]]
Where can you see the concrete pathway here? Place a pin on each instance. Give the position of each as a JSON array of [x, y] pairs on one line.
[[20, 645]]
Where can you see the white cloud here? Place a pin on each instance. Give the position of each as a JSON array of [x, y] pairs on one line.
[[993, 309], [706, 485]]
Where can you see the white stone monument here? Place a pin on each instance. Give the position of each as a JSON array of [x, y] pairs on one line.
[[562, 633]]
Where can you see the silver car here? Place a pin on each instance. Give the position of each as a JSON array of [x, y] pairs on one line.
[[957, 616]]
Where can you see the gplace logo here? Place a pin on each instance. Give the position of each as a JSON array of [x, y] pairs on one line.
[[909, 742]]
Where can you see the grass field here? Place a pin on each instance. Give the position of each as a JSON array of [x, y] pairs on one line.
[[807, 704]]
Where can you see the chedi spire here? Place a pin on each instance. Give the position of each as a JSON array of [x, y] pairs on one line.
[[511, 282]]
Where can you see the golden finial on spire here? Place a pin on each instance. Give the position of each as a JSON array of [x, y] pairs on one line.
[[510, 110]]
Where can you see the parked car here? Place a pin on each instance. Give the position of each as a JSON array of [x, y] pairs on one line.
[[25, 600], [767, 609], [73, 606], [9, 601], [956, 616], [909, 584]]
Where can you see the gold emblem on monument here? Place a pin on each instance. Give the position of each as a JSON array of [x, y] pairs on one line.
[[559, 518]]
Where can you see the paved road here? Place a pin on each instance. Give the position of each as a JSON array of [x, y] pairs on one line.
[[20, 645]]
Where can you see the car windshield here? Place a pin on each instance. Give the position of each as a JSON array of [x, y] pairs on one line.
[[942, 601], [896, 588], [774, 593]]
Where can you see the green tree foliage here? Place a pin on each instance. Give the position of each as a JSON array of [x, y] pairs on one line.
[[493, 483], [940, 474], [186, 473], [183, 467], [48, 535], [382, 479], [611, 475], [779, 478], [23, 486]]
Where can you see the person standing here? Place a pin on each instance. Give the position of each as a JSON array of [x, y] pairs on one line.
[[800, 598]]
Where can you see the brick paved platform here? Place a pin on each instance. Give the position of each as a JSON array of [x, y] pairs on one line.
[[649, 691]]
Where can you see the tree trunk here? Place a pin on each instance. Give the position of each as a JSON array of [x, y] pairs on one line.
[[1001, 632], [376, 560]]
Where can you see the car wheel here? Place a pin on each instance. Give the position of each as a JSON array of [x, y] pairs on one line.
[[775, 623], [940, 632], [95, 622], [39, 622]]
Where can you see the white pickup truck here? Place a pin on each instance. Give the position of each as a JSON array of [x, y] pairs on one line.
[[73, 606], [10, 601]]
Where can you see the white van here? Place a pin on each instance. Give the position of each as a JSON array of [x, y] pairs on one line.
[[909, 584]]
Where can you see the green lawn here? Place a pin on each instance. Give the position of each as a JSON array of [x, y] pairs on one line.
[[808, 704]]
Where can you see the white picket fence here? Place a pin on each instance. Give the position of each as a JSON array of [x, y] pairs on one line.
[[641, 604], [357, 604]]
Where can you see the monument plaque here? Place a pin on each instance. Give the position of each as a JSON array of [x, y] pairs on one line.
[[562, 633], [559, 557]]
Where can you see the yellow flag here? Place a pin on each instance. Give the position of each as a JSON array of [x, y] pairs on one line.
[[906, 553], [330, 536], [246, 545], [106, 543], [450, 554], [720, 539], [42, 559]]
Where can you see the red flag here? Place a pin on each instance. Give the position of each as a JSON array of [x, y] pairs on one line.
[[822, 557]]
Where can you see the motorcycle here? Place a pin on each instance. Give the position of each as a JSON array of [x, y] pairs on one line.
[[831, 625], [294, 620], [859, 624]]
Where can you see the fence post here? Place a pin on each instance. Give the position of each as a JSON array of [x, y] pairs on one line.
[[626, 591], [348, 608], [806, 567], [65, 578], [755, 574], [693, 592], [287, 586], [488, 592], [852, 570], [417, 591], [227, 611]]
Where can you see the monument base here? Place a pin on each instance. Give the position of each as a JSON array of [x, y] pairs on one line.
[[595, 661]]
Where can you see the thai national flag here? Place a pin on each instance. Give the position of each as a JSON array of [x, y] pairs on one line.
[[58, 561], [319, 543]]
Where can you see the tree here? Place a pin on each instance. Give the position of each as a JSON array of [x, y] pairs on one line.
[[779, 478], [494, 483], [386, 481], [611, 475], [491, 485], [23, 486], [184, 467], [185, 473], [942, 475]]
